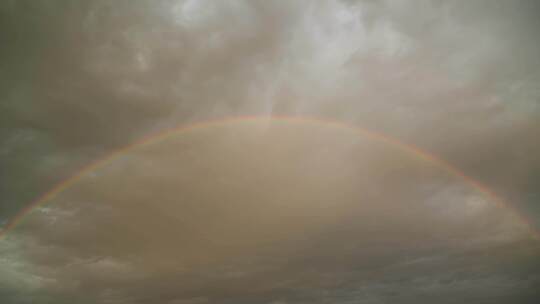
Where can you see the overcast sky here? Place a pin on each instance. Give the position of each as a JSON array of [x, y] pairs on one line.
[[270, 211]]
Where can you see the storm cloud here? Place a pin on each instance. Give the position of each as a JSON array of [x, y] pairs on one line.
[[266, 210]]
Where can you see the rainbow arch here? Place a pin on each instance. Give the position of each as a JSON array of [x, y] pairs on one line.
[[157, 137]]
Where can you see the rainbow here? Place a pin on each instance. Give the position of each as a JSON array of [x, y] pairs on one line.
[[157, 137]]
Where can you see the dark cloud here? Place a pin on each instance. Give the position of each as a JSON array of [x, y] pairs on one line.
[[269, 212]]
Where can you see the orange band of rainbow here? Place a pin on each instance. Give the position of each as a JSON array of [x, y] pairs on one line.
[[154, 138]]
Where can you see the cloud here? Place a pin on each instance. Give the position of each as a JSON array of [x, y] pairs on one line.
[[275, 212]]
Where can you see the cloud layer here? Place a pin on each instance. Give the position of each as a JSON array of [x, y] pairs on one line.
[[269, 212]]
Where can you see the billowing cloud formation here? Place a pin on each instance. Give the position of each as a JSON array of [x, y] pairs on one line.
[[269, 212]]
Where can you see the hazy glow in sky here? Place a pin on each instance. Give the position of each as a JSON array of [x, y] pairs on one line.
[[270, 211]]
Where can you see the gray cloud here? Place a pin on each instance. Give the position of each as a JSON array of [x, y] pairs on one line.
[[269, 212]]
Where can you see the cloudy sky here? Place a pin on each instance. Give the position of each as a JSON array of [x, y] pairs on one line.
[[270, 210]]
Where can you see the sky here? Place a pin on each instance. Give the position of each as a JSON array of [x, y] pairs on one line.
[[307, 201]]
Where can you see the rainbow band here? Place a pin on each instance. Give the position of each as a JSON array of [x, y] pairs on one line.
[[154, 138]]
